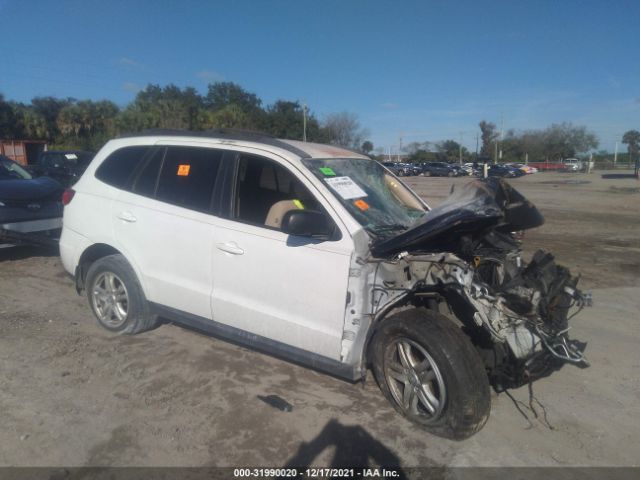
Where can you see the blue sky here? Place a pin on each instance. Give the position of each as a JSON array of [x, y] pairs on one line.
[[425, 70]]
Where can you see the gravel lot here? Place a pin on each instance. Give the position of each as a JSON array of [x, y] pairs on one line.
[[72, 394]]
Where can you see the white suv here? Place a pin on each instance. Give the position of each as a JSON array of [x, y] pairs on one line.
[[320, 255]]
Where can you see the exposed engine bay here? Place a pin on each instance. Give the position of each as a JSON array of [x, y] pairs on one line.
[[464, 259]]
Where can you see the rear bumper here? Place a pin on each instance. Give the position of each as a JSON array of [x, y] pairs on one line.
[[31, 226], [34, 232]]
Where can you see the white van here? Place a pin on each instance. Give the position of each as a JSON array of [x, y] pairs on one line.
[[322, 256], [572, 165]]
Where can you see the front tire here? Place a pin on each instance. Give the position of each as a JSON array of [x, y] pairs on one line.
[[431, 373], [116, 297]]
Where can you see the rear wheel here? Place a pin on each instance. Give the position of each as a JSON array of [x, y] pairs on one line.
[[116, 298], [431, 373]]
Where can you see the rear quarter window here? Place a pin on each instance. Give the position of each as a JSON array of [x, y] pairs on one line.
[[117, 168], [188, 176]]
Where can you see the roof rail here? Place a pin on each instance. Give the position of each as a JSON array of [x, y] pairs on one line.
[[224, 133]]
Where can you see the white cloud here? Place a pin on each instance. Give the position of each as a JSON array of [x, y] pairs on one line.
[[613, 82], [127, 62], [209, 76], [131, 87]]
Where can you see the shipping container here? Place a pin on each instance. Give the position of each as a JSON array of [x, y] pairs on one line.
[[25, 152]]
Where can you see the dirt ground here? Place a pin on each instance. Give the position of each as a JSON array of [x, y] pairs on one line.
[[71, 394]]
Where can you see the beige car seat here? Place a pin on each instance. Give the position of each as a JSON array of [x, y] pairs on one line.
[[277, 211]]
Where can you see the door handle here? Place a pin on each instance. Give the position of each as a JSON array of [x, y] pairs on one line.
[[230, 248], [127, 217]]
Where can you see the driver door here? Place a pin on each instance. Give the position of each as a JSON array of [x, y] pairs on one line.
[[285, 288]]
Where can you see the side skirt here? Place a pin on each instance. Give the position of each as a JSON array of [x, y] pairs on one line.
[[266, 345]]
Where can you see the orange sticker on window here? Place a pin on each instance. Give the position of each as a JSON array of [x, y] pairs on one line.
[[361, 204], [183, 170]]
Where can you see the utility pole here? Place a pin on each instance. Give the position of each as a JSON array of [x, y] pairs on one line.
[[304, 122], [460, 148], [477, 144], [615, 156], [501, 133]]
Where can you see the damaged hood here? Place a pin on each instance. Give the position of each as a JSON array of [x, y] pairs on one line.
[[471, 212]]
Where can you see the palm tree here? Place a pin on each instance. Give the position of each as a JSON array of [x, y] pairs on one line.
[[632, 140]]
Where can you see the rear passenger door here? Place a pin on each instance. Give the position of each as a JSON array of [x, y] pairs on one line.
[[285, 288], [163, 222]]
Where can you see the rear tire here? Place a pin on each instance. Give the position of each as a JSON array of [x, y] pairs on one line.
[[116, 297], [431, 373]]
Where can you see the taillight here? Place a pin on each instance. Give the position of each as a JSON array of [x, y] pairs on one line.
[[67, 196]]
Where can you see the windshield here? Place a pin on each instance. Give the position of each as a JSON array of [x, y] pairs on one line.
[[11, 170], [370, 193]]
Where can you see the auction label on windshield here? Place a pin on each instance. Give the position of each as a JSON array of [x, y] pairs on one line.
[[346, 188]]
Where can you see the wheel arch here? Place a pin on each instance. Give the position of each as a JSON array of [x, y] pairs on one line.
[[460, 313], [93, 253]]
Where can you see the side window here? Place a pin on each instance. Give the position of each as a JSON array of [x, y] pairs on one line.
[[265, 191], [118, 167], [146, 181], [187, 177]]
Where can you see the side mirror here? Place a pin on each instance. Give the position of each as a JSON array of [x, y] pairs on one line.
[[307, 223]]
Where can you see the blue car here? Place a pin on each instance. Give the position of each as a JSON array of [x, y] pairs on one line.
[[30, 208]]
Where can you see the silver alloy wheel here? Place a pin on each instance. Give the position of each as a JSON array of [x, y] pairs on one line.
[[414, 379], [110, 299]]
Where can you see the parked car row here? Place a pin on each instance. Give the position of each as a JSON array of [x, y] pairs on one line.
[[444, 169], [428, 169], [403, 169]]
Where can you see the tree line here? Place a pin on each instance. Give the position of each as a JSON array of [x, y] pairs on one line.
[[555, 142], [87, 124]]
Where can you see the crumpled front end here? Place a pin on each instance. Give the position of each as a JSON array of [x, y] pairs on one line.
[[464, 261], [516, 315]]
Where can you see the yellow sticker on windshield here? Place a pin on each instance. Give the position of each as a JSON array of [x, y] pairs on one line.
[[183, 170], [298, 204]]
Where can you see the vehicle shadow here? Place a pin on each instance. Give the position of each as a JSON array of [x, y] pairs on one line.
[[618, 176], [354, 448], [21, 252]]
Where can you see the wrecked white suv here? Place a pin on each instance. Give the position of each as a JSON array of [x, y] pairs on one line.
[[320, 255]]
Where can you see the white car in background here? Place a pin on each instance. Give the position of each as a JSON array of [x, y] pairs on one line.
[[572, 165]]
